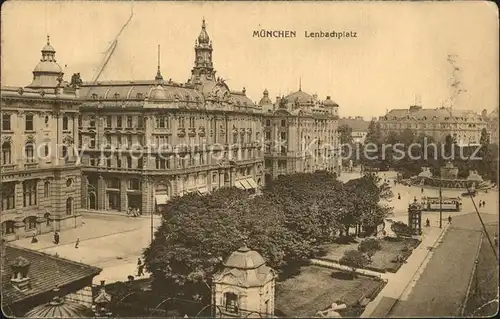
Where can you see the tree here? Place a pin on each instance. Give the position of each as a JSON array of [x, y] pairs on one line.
[[369, 247], [353, 259], [401, 229], [346, 141], [345, 134]]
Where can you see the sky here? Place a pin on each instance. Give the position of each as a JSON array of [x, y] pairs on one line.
[[399, 55]]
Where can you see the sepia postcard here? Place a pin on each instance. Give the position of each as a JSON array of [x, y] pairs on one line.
[[249, 159]]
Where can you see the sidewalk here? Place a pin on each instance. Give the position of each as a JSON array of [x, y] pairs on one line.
[[400, 284], [333, 265]]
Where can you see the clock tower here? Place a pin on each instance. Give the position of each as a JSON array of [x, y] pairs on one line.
[[203, 69]]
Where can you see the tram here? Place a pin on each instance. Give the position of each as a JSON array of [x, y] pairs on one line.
[[448, 204]]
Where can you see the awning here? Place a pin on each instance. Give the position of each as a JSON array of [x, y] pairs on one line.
[[240, 185], [247, 184], [252, 182], [161, 199], [203, 190]]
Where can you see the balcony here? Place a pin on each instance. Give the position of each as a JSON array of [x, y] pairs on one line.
[[191, 131], [8, 167], [30, 165]]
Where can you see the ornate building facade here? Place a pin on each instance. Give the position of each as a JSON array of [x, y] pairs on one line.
[[463, 125], [144, 142], [300, 134], [40, 186]]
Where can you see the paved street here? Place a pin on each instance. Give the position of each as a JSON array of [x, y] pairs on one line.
[[111, 242]]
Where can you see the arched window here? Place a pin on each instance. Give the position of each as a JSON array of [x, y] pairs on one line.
[[29, 192], [65, 123], [129, 162], [48, 220], [29, 150], [30, 223], [69, 206], [46, 189], [6, 153], [8, 227], [231, 302]]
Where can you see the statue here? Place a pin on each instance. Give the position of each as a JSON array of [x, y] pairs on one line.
[[76, 80]]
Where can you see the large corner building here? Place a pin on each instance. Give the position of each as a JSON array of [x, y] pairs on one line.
[[162, 139], [40, 186]]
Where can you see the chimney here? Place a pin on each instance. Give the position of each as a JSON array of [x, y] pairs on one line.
[[19, 268]]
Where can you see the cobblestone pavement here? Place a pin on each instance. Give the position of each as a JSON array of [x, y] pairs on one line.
[[111, 242]]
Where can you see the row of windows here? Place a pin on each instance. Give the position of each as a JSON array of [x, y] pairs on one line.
[[29, 123], [29, 152], [161, 121]]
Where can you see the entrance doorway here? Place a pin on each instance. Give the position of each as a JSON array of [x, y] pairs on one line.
[[114, 201]]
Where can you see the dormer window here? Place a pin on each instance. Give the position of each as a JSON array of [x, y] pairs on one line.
[[116, 95], [140, 95], [94, 96]]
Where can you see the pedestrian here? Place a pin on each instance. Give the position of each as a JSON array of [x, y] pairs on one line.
[[56, 237], [479, 204], [399, 196], [427, 222], [484, 203], [34, 240], [77, 242], [140, 271], [449, 219], [422, 190]]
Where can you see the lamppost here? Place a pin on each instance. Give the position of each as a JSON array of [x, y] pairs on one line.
[[440, 200]]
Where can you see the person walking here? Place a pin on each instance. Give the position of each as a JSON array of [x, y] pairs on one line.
[[77, 242], [449, 219], [479, 204], [484, 203], [427, 222], [399, 196], [140, 271], [56, 237], [422, 190], [34, 240]]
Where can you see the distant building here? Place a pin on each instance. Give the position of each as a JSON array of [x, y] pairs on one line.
[[30, 279], [492, 126], [359, 127], [464, 126], [40, 189], [300, 134]]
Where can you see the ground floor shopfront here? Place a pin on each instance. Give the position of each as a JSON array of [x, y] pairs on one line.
[[112, 191], [40, 201]]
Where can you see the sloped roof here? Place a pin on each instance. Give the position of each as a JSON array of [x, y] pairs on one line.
[[357, 125], [45, 272]]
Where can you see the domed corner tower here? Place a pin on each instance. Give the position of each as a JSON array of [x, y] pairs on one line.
[[245, 287]]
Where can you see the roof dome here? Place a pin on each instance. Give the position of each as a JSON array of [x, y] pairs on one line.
[[329, 102], [244, 259], [265, 99], [59, 308], [48, 48], [158, 93], [300, 96], [48, 66], [203, 37]]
